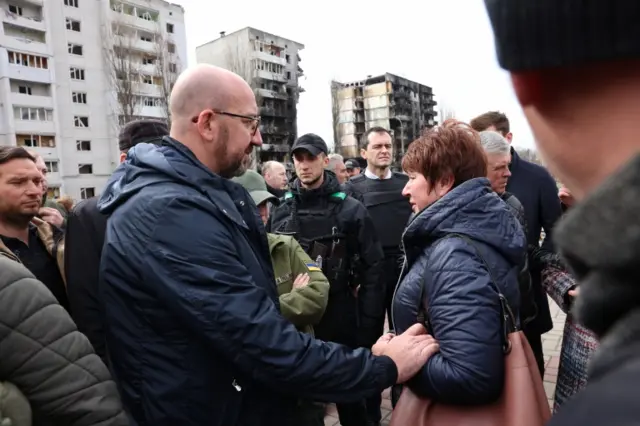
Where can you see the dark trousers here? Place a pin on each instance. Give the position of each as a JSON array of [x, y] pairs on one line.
[[535, 341], [390, 273]]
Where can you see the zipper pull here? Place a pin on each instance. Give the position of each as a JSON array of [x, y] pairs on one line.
[[236, 385]]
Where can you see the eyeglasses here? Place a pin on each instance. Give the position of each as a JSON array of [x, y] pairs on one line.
[[254, 122]]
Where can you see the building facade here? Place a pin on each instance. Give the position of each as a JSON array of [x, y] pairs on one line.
[[61, 68], [402, 106], [271, 65]]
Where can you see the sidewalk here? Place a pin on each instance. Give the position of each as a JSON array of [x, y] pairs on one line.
[[551, 342]]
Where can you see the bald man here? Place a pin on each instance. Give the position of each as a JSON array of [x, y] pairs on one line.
[[275, 174], [194, 333]]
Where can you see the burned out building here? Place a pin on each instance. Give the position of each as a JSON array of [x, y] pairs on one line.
[[271, 66], [395, 103]]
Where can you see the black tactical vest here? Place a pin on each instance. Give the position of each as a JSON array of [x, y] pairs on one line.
[[314, 224], [388, 208]]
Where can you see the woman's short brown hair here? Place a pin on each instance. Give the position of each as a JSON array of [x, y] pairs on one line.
[[451, 149]]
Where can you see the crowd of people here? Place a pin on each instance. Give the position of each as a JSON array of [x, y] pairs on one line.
[[194, 291]]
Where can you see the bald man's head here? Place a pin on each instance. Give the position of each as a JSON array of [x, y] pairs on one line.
[[205, 86], [214, 113]]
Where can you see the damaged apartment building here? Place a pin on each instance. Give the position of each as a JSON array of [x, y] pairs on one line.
[[271, 66], [395, 103]]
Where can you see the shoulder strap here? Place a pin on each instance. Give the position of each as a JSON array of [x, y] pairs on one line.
[[508, 318]]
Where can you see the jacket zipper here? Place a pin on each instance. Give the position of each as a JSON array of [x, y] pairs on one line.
[[236, 385], [395, 290]]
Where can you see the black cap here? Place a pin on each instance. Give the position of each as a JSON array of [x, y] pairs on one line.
[[142, 131], [351, 164], [312, 143], [533, 35]]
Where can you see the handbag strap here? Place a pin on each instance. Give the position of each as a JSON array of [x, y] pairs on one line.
[[507, 316]]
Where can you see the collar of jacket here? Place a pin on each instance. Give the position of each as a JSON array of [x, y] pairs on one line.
[[225, 194], [600, 240], [51, 237], [515, 159]]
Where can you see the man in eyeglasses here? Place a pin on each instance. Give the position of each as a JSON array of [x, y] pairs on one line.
[[194, 333]]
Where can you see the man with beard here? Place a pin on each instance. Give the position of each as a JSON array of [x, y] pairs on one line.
[[51, 212], [380, 190], [34, 242], [193, 330], [336, 231]]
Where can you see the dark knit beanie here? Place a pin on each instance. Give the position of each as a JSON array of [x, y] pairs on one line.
[[538, 34], [142, 131]]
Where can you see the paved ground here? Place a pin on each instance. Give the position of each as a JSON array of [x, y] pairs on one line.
[[551, 343]]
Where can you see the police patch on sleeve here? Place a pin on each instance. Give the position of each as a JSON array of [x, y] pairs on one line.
[[312, 267]]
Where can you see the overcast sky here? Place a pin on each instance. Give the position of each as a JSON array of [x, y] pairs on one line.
[[445, 44]]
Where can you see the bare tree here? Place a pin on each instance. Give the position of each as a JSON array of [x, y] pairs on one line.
[[530, 155], [123, 72], [335, 114], [168, 68]]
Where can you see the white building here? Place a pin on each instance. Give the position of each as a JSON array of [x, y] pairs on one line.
[[57, 85], [271, 65]]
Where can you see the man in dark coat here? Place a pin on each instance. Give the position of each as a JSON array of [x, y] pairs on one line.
[[194, 332], [537, 191], [563, 74], [84, 239]]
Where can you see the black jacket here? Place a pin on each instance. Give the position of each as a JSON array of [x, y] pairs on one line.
[[83, 247], [192, 303], [599, 241], [537, 191], [364, 254]]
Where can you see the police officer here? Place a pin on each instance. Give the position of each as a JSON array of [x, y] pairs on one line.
[[337, 233], [380, 190]]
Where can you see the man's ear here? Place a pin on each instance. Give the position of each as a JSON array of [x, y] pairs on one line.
[[123, 156], [528, 87], [509, 137]]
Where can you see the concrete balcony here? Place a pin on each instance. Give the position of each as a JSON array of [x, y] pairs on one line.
[[34, 127], [35, 2], [129, 42], [266, 93], [54, 179], [32, 101], [47, 154], [151, 111], [148, 69], [133, 21], [25, 45], [21, 21], [37, 75], [270, 58], [147, 89], [272, 76]]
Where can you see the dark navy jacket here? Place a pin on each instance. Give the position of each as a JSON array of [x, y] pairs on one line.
[[462, 305], [193, 329], [537, 191]]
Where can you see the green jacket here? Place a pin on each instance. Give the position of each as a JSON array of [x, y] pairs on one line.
[[305, 306]]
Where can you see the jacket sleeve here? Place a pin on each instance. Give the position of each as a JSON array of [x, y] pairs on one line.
[[83, 246], [550, 207], [48, 359], [304, 306], [202, 279], [465, 316], [371, 294]]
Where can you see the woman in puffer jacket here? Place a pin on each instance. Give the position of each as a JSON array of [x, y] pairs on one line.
[[45, 357], [463, 247]]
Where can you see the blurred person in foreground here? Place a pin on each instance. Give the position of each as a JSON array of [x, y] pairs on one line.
[[84, 238], [563, 73], [191, 306]]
